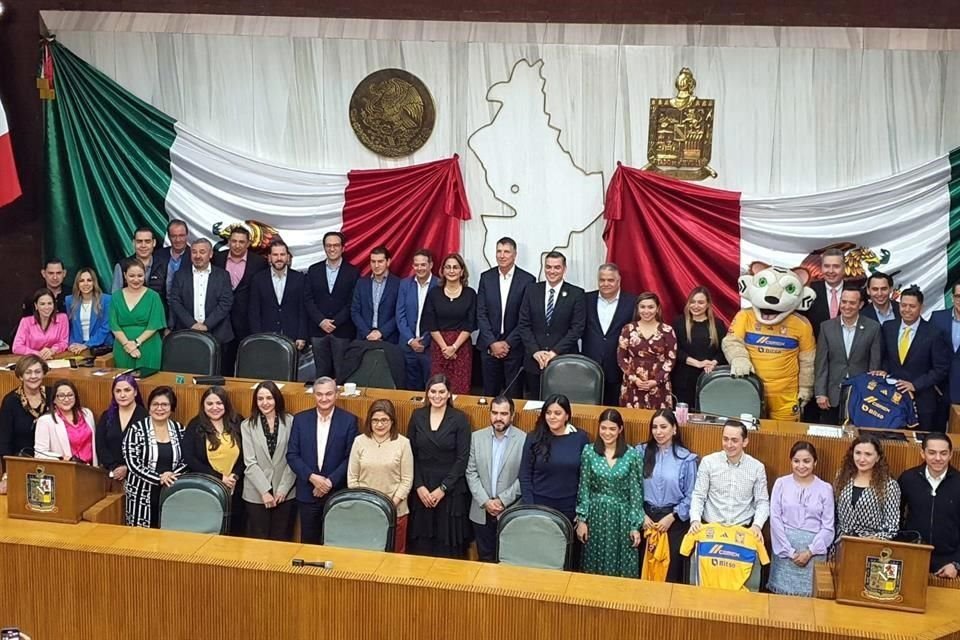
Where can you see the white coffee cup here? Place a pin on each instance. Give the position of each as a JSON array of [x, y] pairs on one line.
[[349, 388]]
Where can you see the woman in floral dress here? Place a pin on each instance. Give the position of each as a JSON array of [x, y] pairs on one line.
[[647, 354]]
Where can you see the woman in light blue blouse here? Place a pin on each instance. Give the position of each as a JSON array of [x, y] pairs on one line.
[[669, 473]]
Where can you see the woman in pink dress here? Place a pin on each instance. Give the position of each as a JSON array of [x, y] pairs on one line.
[[647, 354]]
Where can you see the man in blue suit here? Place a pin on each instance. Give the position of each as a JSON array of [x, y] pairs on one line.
[[917, 355], [276, 298], [374, 307], [318, 452], [947, 322], [414, 341], [498, 311], [608, 309]]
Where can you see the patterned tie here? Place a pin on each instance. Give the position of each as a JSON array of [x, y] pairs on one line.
[[904, 345], [550, 302], [834, 304]]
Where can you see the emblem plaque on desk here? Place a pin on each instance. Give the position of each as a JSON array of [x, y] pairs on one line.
[[680, 139], [41, 491], [883, 577]]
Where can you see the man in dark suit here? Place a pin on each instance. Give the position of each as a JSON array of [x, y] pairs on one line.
[[318, 452], [608, 310], [552, 318], [276, 298], [947, 321], [848, 346], [374, 306], [242, 265], [179, 249], [201, 297], [879, 306], [916, 354], [827, 303], [498, 312], [327, 299], [414, 340], [53, 274]]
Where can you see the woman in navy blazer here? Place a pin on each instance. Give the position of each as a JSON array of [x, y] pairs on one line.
[[89, 312]]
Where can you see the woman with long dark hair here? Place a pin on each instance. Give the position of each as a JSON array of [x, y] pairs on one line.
[[647, 353], [212, 445], [610, 501], [125, 408], [450, 315], [269, 482], [45, 332], [66, 430], [669, 472], [440, 441], [868, 498], [698, 332]]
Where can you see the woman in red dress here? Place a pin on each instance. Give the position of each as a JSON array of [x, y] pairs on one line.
[[647, 354], [450, 315]]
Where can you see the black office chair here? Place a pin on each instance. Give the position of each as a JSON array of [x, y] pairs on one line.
[[374, 371], [190, 351], [360, 519], [267, 356], [719, 393], [575, 376], [534, 536], [197, 503]]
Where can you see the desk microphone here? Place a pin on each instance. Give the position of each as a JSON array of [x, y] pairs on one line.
[[322, 564], [511, 383]]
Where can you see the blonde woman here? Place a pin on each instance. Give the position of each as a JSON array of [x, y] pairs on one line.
[[88, 310], [698, 332]]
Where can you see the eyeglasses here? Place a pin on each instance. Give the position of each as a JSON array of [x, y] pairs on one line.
[[159, 405], [64, 396], [380, 420]]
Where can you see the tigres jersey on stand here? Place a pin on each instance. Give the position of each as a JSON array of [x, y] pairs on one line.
[[725, 555], [874, 403]]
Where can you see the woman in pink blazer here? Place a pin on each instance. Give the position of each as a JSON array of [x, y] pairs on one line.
[[67, 430], [45, 333]]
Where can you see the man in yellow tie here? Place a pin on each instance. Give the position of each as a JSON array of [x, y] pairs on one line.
[[917, 355]]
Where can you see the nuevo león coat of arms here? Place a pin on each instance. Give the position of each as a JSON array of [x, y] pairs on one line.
[[681, 132], [883, 577]]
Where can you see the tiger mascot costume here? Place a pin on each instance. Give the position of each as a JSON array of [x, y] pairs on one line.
[[771, 340]]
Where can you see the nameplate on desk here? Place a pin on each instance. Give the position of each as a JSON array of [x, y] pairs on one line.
[[62, 363], [824, 431], [533, 405]]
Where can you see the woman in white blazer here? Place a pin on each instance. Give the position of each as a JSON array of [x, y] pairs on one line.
[[66, 431], [268, 486]]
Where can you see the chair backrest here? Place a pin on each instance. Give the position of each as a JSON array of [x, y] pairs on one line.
[[374, 371], [190, 351], [720, 393], [267, 356], [359, 519], [534, 536], [197, 503], [575, 376]]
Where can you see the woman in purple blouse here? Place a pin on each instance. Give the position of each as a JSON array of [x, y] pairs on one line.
[[801, 523]]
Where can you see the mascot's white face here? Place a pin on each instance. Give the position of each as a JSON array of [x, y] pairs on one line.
[[775, 292]]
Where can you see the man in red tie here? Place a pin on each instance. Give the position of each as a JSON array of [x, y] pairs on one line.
[[827, 304]]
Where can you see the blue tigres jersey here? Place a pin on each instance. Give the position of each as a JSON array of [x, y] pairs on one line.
[[874, 403]]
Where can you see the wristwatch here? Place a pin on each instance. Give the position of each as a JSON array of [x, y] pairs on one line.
[[443, 487]]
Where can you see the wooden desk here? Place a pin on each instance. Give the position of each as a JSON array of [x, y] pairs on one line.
[[771, 444], [43, 568], [105, 361]]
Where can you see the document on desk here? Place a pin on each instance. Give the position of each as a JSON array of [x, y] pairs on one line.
[[533, 405], [824, 431]]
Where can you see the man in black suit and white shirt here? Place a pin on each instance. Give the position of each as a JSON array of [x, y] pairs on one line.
[[848, 346], [827, 303], [276, 298], [498, 311], [879, 306], [552, 318], [326, 299], [608, 309], [201, 297]]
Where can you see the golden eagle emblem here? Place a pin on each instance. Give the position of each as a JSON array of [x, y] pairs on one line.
[[261, 235], [392, 112]]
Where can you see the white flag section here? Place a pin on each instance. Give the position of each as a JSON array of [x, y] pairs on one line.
[[211, 184], [904, 220]]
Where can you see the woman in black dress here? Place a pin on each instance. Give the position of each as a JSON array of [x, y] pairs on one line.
[[450, 315], [20, 410], [440, 438], [699, 333], [125, 409]]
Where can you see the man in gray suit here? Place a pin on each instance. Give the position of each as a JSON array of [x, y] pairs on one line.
[[493, 472], [848, 345]]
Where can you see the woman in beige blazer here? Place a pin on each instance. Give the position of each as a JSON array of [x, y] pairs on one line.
[[269, 481]]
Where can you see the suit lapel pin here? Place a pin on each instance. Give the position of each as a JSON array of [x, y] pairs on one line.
[[563, 294]]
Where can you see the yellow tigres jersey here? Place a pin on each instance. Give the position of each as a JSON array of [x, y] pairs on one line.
[[774, 351], [725, 555]]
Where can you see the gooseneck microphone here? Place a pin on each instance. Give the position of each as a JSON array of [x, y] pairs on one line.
[[322, 564]]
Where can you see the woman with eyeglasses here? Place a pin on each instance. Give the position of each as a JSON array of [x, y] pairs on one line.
[[152, 451], [20, 410], [381, 459], [66, 431]]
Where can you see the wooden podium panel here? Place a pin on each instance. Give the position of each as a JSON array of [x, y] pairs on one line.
[[883, 574], [52, 490]]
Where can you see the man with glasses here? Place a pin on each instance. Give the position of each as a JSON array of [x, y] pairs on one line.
[[326, 298]]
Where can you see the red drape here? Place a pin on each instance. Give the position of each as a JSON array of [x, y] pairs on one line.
[[669, 236], [404, 209]]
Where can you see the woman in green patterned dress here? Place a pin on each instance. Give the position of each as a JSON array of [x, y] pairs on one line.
[[610, 502], [136, 319]]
